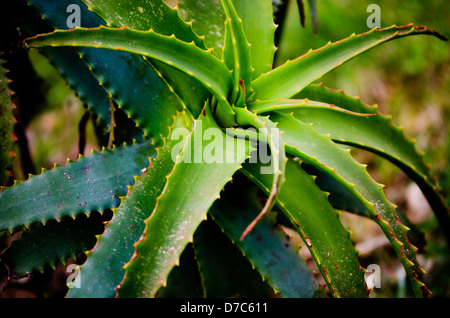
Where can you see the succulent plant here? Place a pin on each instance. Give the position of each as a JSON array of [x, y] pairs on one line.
[[221, 152]]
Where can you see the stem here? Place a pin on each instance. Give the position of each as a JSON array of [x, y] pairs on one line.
[[266, 209], [112, 125]]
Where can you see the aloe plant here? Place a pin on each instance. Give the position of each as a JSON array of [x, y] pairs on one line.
[[185, 223]]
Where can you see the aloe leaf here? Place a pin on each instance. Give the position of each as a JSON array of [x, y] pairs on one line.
[[259, 28], [228, 47], [215, 257], [210, 71], [323, 94], [67, 60], [294, 75], [150, 104], [268, 134], [370, 131], [96, 98], [320, 151], [90, 183], [154, 14], [151, 109], [224, 270], [242, 69], [103, 270], [341, 199], [279, 10], [191, 188], [43, 246], [292, 105], [375, 133], [312, 216], [161, 18], [6, 127], [184, 280], [81, 80], [207, 19], [280, 264]]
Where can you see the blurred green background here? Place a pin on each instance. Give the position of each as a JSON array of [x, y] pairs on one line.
[[408, 78]]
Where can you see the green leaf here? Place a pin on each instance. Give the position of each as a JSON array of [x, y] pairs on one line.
[[373, 131], [184, 280], [291, 105], [370, 131], [210, 71], [67, 60], [161, 18], [242, 68], [280, 264], [279, 10], [228, 47], [103, 270], [43, 246], [341, 199], [320, 151], [228, 59], [91, 183], [224, 270], [293, 76], [268, 134], [151, 109], [193, 185], [207, 18], [6, 127], [216, 261], [259, 28], [146, 14], [376, 133], [81, 80], [323, 94], [318, 224], [97, 99]]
